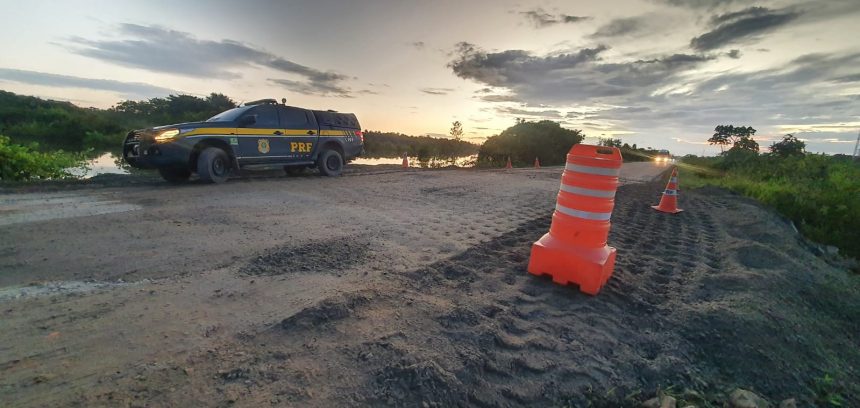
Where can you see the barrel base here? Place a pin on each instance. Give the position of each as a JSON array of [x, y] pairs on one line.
[[589, 268]]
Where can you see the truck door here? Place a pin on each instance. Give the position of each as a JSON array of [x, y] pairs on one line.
[[301, 130], [261, 139]]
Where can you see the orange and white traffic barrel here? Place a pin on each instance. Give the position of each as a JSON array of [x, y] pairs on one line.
[[575, 249]]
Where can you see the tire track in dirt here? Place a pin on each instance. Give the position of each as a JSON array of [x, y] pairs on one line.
[[683, 308], [474, 329], [504, 337]]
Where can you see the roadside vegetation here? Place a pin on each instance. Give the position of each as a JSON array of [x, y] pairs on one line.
[[21, 163], [391, 144], [58, 125], [819, 193], [525, 141]]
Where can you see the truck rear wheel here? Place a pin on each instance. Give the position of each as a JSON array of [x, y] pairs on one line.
[[213, 165], [330, 163], [174, 175]]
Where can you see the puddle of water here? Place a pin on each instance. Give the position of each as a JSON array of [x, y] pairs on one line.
[[104, 164], [107, 164], [461, 161]]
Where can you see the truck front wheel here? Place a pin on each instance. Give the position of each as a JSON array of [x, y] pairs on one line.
[[330, 163], [174, 175], [213, 165]]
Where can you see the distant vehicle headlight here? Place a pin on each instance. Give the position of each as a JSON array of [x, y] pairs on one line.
[[166, 135]]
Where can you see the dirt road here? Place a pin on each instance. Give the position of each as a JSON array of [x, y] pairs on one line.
[[391, 287]]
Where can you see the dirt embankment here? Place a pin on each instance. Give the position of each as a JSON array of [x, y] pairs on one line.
[[723, 294]]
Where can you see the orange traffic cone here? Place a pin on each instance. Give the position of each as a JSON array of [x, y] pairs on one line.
[[537, 163], [575, 250], [405, 164], [509, 166], [669, 201]]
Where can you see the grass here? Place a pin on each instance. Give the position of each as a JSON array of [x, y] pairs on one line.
[[820, 194], [23, 163], [828, 392]]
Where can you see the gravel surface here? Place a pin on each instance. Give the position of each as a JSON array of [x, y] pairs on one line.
[[407, 288]]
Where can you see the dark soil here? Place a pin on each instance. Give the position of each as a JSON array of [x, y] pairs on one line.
[[327, 256], [718, 296]]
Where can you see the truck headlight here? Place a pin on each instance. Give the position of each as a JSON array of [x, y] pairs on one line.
[[166, 135]]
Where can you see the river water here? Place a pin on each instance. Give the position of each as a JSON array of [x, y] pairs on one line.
[[111, 163]]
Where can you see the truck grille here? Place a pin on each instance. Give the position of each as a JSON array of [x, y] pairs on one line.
[[132, 137]]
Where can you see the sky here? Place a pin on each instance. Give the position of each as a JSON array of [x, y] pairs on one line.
[[656, 73]]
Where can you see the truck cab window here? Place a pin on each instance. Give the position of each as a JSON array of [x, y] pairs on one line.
[[294, 118], [266, 117]]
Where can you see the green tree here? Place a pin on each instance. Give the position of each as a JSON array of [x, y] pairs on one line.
[[524, 141], [746, 144], [609, 142], [456, 130], [739, 137], [789, 146], [220, 102]]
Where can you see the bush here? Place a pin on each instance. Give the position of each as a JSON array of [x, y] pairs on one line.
[[62, 125], [819, 193], [389, 144], [98, 140], [524, 141], [22, 163]]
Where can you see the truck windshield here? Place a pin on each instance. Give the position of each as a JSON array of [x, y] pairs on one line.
[[228, 116]]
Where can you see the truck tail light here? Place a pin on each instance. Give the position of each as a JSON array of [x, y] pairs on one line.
[[360, 134]]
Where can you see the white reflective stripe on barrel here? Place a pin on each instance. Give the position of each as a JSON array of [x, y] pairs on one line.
[[600, 171], [673, 180], [670, 192], [583, 214], [587, 191]]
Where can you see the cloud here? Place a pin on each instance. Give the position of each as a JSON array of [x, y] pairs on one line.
[[130, 90], [551, 113], [848, 78], [158, 49], [821, 127], [573, 19], [567, 76], [621, 27], [499, 98], [312, 88], [436, 91], [734, 54], [665, 96], [540, 18], [418, 45], [697, 4], [740, 26]]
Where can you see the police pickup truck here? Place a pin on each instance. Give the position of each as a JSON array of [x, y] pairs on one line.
[[258, 135]]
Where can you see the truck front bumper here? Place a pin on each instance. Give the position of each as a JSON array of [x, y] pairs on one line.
[[156, 155]]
